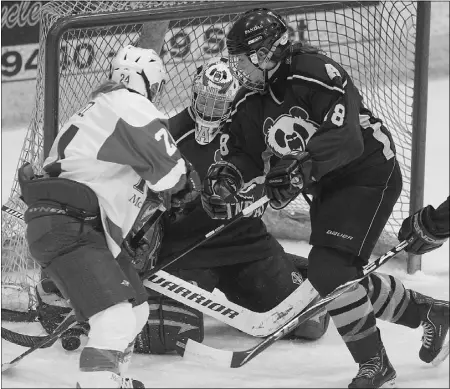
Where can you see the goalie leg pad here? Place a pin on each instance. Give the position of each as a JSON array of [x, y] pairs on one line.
[[168, 322]]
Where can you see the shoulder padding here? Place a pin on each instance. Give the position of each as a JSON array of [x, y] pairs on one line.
[[242, 99], [318, 70]]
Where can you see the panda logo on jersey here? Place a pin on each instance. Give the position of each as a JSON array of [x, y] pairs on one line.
[[289, 132]]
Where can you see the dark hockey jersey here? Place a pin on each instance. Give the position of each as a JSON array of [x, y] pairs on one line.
[[248, 240], [310, 105]]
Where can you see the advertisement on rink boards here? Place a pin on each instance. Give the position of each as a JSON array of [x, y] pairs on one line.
[[183, 42]]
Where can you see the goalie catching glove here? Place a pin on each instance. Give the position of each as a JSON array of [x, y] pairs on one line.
[[287, 178], [220, 187]]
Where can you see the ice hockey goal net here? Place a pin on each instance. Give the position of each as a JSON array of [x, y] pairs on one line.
[[383, 45]]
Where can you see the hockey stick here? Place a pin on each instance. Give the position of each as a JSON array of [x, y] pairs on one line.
[[23, 339], [218, 307], [67, 323], [147, 225], [236, 359], [246, 211], [32, 340]]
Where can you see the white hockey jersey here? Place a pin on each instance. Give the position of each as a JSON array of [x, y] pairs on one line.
[[118, 145]]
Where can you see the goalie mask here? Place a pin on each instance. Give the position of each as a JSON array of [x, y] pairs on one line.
[[256, 44], [213, 91], [140, 70]]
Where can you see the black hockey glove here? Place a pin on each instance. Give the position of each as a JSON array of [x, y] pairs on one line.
[[220, 186], [288, 178], [190, 191], [144, 256], [419, 228]]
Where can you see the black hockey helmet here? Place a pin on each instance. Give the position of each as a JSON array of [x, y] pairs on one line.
[[262, 36]]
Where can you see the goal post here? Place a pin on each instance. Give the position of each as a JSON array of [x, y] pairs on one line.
[[383, 46], [419, 118]]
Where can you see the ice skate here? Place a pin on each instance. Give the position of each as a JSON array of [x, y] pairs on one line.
[[435, 322], [377, 372], [107, 379]]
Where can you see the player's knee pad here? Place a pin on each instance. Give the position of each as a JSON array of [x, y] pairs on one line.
[[141, 313], [328, 268], [313, 328], [112, 328], [168, 322]]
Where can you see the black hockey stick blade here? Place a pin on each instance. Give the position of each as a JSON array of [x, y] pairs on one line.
[[25, 340], [235, 359], [18, 316], [68, 323], [246, 211]]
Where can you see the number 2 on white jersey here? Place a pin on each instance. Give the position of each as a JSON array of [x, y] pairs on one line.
[[171, 147]]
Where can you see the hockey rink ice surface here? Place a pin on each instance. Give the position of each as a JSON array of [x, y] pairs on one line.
[[325, 363]]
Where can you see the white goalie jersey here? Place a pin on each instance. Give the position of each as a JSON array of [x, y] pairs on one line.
[[120, 147]]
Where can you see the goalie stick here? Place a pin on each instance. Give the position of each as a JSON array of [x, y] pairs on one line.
[[218, 307], [234, 359], [258, 324]]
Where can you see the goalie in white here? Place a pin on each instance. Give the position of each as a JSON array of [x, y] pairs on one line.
[[104, 161]]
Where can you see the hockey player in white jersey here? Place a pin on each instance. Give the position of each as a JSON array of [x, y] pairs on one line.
[[102, 164]]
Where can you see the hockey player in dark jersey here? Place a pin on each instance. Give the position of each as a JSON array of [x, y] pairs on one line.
[[245, 262], [428, 228], [303, 126]]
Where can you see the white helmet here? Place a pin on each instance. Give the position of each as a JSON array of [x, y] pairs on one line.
[[213, 91], [140, 70]]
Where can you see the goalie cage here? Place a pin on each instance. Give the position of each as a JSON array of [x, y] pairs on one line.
[[375, 41]]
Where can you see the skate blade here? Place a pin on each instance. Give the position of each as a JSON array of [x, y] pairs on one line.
[[442, 356], [390, 384]]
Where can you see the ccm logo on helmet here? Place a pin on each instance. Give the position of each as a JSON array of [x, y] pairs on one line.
[[254, 28]]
